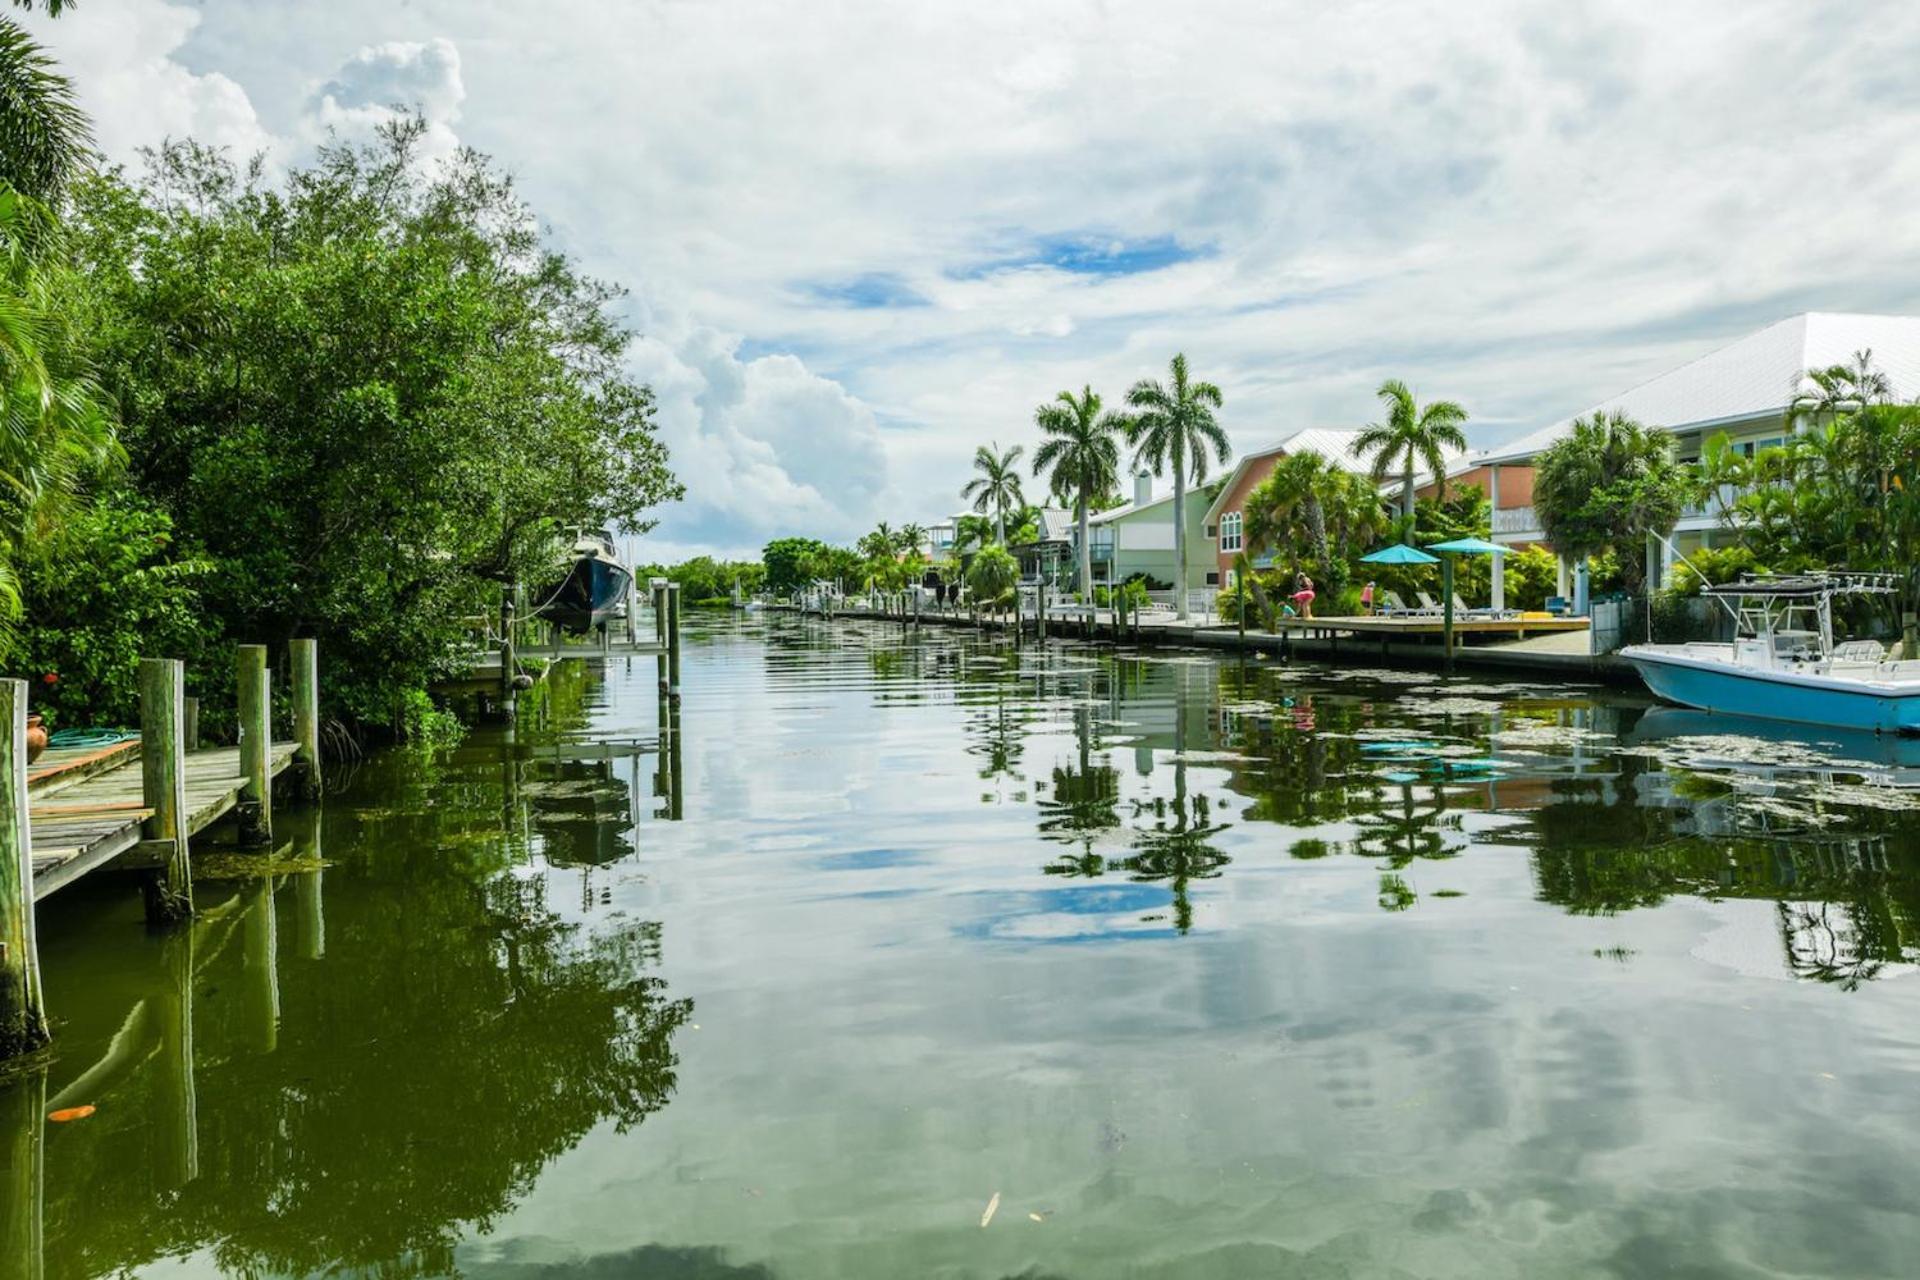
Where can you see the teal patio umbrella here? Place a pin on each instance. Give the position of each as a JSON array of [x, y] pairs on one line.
[[1470, 547], [1457, 547], [1399, 553]]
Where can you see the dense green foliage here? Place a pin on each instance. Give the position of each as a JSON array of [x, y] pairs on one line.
[[1316, 518], [992, 575], [706, 581], [1607, 485], [44, 137], [355, 405]]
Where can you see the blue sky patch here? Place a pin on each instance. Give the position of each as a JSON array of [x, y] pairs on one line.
[[867, 292], [1089, 254]]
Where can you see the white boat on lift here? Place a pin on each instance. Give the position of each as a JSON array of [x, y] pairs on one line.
[[1783, 663]]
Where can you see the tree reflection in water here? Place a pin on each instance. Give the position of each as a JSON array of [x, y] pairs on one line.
[[1085, 805], [1408, 831], [360, 1105]]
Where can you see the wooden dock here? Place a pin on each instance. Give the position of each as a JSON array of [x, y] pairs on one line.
[[138, 803], [1431, 625], [86, 808]]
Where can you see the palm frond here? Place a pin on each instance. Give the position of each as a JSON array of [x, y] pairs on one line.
[[45, 139]]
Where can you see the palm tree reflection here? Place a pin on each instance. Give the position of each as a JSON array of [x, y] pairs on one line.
[[1406, 833]]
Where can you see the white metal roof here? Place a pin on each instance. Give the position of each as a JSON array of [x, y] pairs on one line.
[[1753, 377]]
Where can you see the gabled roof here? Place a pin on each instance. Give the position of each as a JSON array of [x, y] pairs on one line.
[[1335, 444], [1754, 377]]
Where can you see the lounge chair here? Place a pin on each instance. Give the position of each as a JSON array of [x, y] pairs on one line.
[[1559, 606], [1487, 612]]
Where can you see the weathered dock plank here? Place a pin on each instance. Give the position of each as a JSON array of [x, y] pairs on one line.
[[80, 827]]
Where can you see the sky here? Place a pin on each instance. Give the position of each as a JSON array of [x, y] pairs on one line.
[[862, 238]]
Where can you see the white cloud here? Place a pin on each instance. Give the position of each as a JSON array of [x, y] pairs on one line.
[[1519, 211], [766, 448], [386, 80], [121, 59]]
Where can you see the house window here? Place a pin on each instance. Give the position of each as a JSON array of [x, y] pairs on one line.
[[1213, 579], [1230, 531], [1213, 531]]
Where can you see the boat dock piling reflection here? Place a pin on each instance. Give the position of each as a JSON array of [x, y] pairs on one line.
[[137, 804]]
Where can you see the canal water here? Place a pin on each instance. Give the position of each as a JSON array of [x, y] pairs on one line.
[[923, 955]]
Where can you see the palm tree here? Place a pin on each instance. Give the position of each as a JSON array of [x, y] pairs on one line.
[[971, 531], [997, 487], [1838, 389], [910, 538], [1082, 451], [881, 543], [55, 422], [1172, 424], [1412, 435], [44, 136]]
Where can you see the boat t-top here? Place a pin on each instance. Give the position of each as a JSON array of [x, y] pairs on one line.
[[1783, 663]]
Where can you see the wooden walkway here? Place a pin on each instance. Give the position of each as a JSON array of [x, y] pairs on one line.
[[85, 806]]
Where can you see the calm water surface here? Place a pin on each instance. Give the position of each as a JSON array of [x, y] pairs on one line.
[[1180, 966]]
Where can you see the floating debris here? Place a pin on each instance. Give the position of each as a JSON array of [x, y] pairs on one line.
[[993, 1207]]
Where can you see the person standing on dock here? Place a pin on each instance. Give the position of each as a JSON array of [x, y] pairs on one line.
[[1303, 595]]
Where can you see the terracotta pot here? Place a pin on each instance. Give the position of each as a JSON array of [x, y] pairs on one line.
[[36, 738]]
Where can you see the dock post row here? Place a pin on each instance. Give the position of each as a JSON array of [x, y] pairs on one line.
[[157, 828]]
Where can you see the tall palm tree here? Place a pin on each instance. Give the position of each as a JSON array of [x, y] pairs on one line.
[[997, 488], [44, 136], [910, 538], [1082, 450], [1172, 425], [1412, 435], [882, 543]]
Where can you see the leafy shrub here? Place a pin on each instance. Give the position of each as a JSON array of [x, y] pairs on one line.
[[1711, 565], [1532, 575], [98, 594]]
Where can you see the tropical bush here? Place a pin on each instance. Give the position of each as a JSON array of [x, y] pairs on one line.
[[1532, 575], [104, 589], [1711, 565], [1605, 487], [992, 575]]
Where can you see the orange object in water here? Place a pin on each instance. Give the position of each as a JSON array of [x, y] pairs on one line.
[[65, 1114]]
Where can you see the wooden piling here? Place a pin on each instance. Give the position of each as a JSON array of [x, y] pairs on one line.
[[509, 664], [306, 715], [673, 639], [163, 785], [255, 806], [23, 1019], [23, 1144]]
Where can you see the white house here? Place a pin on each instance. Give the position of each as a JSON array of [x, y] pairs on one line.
[[1742, 389]]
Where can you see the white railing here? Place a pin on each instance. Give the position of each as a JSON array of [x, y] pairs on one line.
[[1515, 520]]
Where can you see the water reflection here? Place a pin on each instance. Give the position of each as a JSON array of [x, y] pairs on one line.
[[347, 1067]]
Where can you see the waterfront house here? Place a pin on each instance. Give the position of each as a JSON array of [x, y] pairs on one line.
[[1226, 515], [1138, 538], [1049, 556], [1742, 389]]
